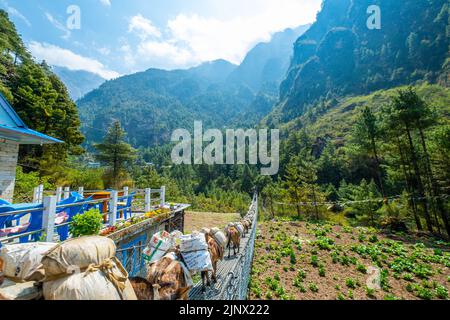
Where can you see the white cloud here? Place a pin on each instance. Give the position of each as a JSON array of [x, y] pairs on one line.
[[143, 27], [165, 51], [14, 12], [106, 2], [190, 38], [58, 25], [104, 51], [60, 57]]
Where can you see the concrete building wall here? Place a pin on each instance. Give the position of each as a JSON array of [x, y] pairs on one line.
[[9, 152]]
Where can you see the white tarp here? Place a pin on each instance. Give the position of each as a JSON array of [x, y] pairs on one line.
[[22, 261]]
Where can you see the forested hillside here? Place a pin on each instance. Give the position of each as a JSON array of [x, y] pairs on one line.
[[340, 56], [40, 99]]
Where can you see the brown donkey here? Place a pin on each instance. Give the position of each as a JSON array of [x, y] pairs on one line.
[[233, 239], [165, 281], [246, 225], [216, 251]]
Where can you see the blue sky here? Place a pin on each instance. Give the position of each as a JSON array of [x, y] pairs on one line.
[[118, 37]]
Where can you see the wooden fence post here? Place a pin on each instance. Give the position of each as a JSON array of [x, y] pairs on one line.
[[163, 196], [48, 219], [58, 194], [66, 193], [113, 207], [148, 198]]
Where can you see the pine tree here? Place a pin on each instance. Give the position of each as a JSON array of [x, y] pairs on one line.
[[402, 113], [366, 135], [115, 153]]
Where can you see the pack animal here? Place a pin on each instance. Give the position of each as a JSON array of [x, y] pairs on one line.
[[216, 251], [165, 281], [233, 239]]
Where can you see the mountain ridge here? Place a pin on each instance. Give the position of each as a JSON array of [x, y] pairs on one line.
[[78, 82], [338, 55], [171, 99]]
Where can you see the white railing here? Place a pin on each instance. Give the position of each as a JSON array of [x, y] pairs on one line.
[[48, 205]]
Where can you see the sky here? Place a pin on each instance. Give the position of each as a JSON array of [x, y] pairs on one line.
[[116, 37]]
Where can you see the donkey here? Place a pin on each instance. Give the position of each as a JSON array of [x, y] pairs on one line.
[[233, 239], [165, 281], [216, 251], [246, 225]]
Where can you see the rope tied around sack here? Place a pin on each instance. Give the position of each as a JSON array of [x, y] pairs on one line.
[[107, 267]]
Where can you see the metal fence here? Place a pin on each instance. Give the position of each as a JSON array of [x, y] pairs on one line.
[[236, 284]]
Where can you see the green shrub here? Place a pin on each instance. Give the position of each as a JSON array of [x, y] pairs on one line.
[[442, 292], [370, 292], [340, 296], [424, 293], [350, 283], [408, 277], [350, 294], [321, 271], [86, 224], [361, 268], [293, 258], [314, 261], [313, 287]]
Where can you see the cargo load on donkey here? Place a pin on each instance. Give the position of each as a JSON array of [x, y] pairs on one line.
[[160, 244], [85, 269], [194, 251], [23, 262]]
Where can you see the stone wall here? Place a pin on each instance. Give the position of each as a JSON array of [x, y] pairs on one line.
[[8, 162]]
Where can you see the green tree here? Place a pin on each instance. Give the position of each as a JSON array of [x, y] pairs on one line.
[[366, 135], [403, 112], [115, 153]]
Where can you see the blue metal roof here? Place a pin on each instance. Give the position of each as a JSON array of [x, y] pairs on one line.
[[13, 128]]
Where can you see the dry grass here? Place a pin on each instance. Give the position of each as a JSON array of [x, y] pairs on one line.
[[198, 220]]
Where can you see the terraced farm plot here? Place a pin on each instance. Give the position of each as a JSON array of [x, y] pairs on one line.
[[305, 261]]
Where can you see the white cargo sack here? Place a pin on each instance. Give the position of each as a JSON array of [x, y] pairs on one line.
[[176, 238], [22, 261], [96, 283], [194, 250], [239, 227], [77, 253], [159, 245], [219, 236]]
